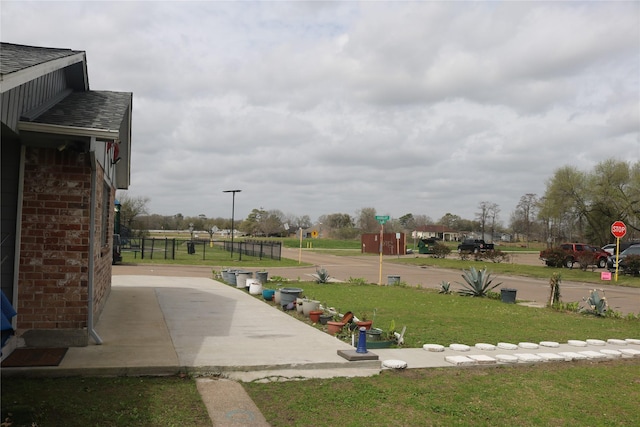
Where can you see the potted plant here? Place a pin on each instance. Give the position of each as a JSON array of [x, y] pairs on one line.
[[309, 305], [314, 315], [336, 325], [364, 321]]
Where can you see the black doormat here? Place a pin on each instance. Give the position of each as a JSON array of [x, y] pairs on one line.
[[26, 357]]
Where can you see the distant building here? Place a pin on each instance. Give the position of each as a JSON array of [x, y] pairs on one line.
[[440, 232]]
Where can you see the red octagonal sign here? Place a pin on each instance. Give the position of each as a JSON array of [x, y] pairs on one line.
[[618, 229]]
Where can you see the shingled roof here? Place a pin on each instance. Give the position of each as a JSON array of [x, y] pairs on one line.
[[93, 110], [16, 57]]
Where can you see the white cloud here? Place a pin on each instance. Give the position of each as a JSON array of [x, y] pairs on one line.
[[322, 107]]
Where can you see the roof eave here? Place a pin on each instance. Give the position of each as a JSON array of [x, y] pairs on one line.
[[68, 130], [17, 78]]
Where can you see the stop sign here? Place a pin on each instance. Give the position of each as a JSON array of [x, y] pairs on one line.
[[618, 229]]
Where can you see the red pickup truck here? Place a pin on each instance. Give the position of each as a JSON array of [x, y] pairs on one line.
[[569, 253]]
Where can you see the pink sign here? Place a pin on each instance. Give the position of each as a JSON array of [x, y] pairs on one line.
[[605, 275]]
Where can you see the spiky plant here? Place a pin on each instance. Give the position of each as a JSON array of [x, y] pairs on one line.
[[477, 283], [445, 287], [596, 303], [322, 276]]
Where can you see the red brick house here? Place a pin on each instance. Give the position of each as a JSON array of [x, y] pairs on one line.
[[65, 151]]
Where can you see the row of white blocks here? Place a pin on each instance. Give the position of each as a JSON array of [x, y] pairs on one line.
[[621, 350]]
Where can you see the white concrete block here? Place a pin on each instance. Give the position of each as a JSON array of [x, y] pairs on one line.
[[528, 357], [629, 352], [506, 358], [572, 355], [616, 341], [433, 347], [459, 347], [550, 344], [485, 346], [507, 346], [552, 357], [482, 359], [528, 345], [596, 342], [611, 354], [633, 341], [394, 364], [593, 355], [460, 360], [577, 343]]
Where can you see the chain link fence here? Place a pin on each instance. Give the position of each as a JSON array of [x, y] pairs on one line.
[[176, 249]]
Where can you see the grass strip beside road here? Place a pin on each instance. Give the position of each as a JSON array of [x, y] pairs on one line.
[[513, 269]]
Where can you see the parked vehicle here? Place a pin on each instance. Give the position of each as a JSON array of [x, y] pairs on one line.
[[622, 258], [569, 253], [475, 246], [611, 247], [426, 246]]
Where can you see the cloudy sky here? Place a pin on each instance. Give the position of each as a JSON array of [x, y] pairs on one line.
[[328, 107]]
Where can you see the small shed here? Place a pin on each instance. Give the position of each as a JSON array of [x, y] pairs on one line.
[[392, 243]]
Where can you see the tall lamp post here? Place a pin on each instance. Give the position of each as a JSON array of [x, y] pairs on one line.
[[233, 208]]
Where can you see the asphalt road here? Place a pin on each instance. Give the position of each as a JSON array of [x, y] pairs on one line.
[[534, 291]]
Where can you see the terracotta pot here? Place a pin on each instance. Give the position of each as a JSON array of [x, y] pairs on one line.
[[334, 327], [314, 315], [367, 324]]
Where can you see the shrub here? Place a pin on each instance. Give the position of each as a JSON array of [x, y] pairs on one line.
[[477, 283], [464, 255], [554, 257], [554, 283], [357, 281], [585, 259], [496, 255], [440, 250], [632, 265]]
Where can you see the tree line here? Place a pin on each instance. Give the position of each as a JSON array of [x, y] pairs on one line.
[[576, 206]]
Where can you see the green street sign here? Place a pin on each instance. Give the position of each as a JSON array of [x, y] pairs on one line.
[[382, 219]]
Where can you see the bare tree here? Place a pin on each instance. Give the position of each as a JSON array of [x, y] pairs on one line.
[[483, 215], [526, 210]]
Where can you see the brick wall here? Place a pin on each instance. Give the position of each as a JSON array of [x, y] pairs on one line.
[[54, 252]]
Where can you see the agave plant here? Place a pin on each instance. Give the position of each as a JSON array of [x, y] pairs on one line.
[[322, 276], [445, 287], [596, 303], [477, 283]]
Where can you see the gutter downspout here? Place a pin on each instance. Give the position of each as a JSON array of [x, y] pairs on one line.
[[92, 233]]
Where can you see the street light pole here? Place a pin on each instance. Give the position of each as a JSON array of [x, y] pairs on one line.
[[233, 208]]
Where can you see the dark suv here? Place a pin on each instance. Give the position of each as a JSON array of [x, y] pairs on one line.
[[622, 265]]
